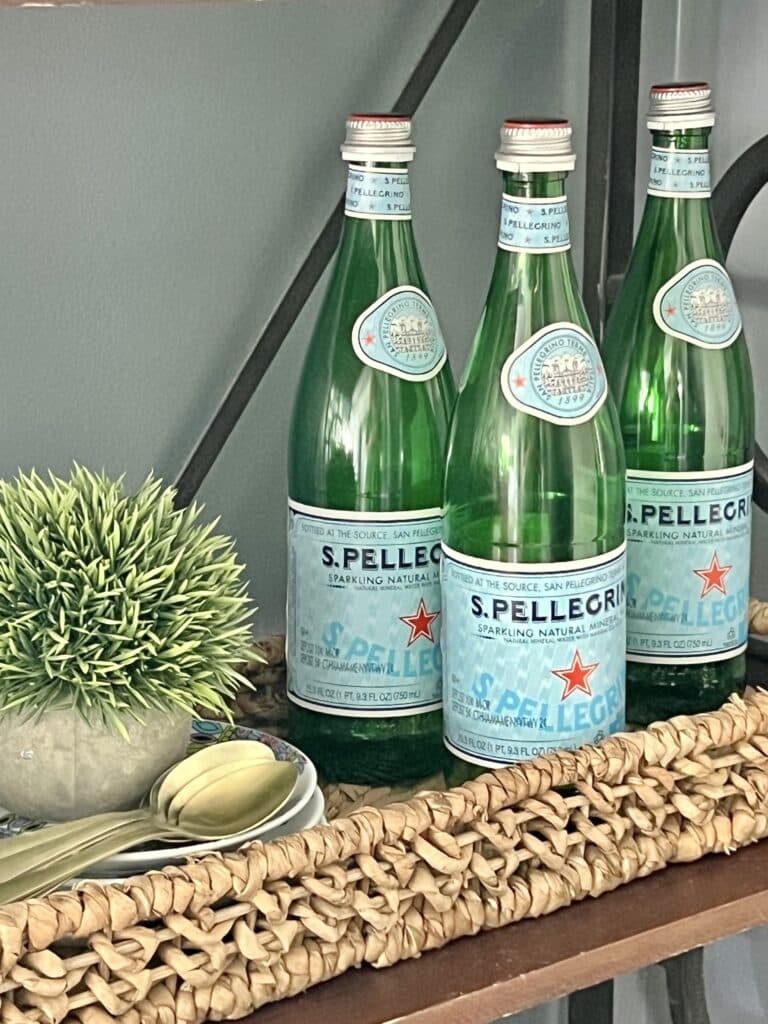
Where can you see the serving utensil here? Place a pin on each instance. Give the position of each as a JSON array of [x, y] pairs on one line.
[[214, 796]]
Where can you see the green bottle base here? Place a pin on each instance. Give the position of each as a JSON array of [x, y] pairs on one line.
[[370, 751], [457, 772], [659, 691]]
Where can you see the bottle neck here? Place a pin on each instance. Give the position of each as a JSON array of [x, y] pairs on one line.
[[678, 213], [377, 226], [680, 165], [533, 259], [378, 192], [534, 214]]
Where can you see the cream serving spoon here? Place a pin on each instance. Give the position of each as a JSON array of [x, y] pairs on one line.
[[166, 787], [222, 809], [223, 801]]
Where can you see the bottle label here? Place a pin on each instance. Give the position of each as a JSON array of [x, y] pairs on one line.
[[377, 193], [698, 305], [364, 611], [688, 565], [556, 375], [534, 655], [679, 173], [399, 334], [534, 225]]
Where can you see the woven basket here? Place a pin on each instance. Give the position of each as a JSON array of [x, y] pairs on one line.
[[228, 933]]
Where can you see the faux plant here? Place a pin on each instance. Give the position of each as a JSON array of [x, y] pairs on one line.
[[113, 603]]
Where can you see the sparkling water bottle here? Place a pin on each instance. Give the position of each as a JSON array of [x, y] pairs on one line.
[[533, 534], [366, 460], [679, 370]]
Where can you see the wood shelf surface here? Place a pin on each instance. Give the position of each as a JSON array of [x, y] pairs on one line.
[[479, 979]]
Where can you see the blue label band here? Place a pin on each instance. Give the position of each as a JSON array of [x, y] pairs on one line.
[[400, 335], [534, 655], [378, 194], [679, 173], [556, 375], [534, 225], [364, 612], [688, 539], [699, 306]]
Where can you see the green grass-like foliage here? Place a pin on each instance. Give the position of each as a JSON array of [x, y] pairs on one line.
[[115, 603]]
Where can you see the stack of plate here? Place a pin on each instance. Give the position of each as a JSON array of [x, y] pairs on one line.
[[304, 809]]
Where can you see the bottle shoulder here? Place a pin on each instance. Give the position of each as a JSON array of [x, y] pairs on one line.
[[533, 345], [499, 435], [535, 384], [676, 325], [504, 464], [369, 441], [377, 310], [683, 407], [674, 239]]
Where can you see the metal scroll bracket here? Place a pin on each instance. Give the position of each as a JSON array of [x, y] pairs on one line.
[[730, 201]]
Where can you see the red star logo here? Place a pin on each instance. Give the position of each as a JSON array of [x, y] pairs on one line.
[[369, 339], [670, 310], [714, 576], [576, 677], [519, 382], [420, 624]]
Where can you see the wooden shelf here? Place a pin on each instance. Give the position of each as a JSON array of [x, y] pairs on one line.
[[479, 979]]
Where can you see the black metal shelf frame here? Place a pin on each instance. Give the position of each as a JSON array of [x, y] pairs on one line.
[[614, 67]]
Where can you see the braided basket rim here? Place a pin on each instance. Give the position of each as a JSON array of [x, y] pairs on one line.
[[443, 834]]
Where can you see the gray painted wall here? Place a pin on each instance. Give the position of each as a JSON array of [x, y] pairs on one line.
[[164, 171]]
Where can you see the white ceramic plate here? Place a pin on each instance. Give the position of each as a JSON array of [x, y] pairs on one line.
[[313, 813], [157, 855]]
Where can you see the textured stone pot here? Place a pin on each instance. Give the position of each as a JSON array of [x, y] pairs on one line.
[[59, 767]]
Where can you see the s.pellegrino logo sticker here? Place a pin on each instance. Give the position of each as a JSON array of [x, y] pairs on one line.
[[364, 612], [557, 375], [698, 305], [399, 334]]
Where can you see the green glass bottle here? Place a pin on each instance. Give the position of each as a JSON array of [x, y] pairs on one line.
[[679, 370], [533, 532], [366, 459]]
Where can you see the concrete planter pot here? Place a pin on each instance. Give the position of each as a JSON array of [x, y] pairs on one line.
[[59, 767]]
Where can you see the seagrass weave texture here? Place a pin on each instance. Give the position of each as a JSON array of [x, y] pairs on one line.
[[228, 933]]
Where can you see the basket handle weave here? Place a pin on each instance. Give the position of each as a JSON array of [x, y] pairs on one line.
[[193, 890]]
